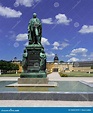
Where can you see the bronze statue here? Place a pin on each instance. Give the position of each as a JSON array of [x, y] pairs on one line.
[[34, 30], [34, 57]]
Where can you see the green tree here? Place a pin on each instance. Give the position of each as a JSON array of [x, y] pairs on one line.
[[14, 66], [92, 67], [61, 61], [8, 66]]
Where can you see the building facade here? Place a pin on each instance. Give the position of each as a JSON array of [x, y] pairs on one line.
[[57, 66]]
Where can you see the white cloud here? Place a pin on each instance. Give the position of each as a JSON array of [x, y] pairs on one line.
[[64, 44], [78, 55], [86, 29], [9, 13], [26, 3], [22, 37], [58, 46], [90, 57], [47, 21], [73, 59], [55, 48], [62, 19], [44, 41], [79, 51], [68, 56], [49, 55], [59, 19]]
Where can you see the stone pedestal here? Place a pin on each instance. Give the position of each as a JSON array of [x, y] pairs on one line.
[[34, 66], [33, 75], [32, 81]]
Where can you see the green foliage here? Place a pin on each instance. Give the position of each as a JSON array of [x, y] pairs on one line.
[[6, 66], [92, 67], [10, 75], [61, 61], [14, 66], [79, 74], [63, 74]]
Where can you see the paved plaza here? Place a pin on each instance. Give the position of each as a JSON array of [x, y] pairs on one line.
[[53, 77], [38, 103]]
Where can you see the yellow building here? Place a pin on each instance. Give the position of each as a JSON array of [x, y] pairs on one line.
[[59, 67], [56, 66]]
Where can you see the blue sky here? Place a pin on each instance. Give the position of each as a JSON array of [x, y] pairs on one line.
[[67, 28]]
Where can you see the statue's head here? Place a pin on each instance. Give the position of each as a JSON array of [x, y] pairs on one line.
[[34, 15]]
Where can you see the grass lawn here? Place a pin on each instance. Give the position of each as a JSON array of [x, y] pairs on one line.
[[79, 74], [10, 75], [71, 74]]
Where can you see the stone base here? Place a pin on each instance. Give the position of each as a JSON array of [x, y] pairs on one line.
[[27, 87], [32, 80], [33, 75]]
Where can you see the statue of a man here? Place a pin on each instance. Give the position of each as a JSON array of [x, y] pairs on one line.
[[34, 30]]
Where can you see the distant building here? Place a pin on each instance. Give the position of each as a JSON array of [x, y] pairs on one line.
[[57, 66], [56, 59], [83, 64]]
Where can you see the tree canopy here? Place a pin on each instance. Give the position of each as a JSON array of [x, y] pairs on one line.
[[92, 67], [61, 61], [7, 65]]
